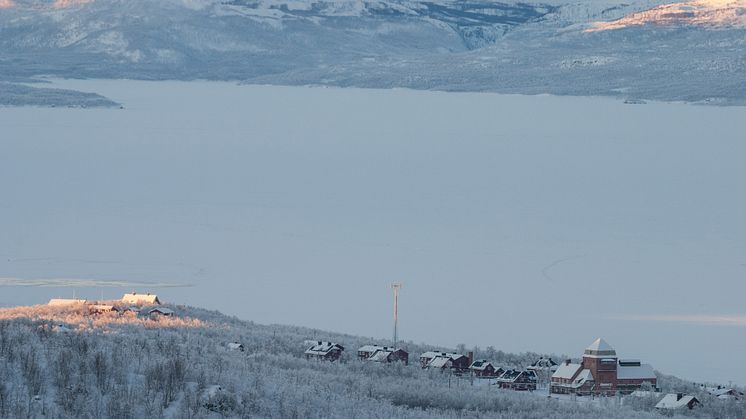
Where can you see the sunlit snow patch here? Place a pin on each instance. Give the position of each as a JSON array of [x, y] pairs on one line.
[[706, 13]]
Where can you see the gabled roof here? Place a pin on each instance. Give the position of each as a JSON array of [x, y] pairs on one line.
[[566, 371], [380, 356], [585, 375], [723, 391], [371, 348], [162, 310], [65, 301], [545, 364], [513, 375], [439, 362], [673, 401], [135, 298], [480, 365], [451, 355], [324, 348]]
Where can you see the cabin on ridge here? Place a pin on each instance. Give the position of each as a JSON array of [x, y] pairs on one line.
[[135, 298], [66, 301], [160, 311]]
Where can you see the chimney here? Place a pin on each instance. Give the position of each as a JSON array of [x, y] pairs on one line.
[[567, 362], [319, 342], [679, 396], [471, 357]]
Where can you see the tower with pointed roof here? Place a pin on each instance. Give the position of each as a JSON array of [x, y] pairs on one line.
[[600, 358], [601, 372]]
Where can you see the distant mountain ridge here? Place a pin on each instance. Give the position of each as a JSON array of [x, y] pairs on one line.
[[475, 45]]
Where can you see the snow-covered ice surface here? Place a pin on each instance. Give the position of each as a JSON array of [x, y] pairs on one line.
[[553, 220]]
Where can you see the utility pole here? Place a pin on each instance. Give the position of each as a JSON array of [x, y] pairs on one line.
[[396, 287]]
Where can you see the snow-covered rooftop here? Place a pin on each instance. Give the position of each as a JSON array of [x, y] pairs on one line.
[[673, 401], [380, 356], [600, 347], [323, 348], [162, 310], [584, 376], [642, 371], [430, 354], [512, 375], [480, 365], [371, 348], [65, 301], [439, 362], [135, 298], [566, 371]]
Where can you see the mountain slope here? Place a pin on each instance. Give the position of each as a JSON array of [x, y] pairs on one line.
[[239, 39], [512, 47]]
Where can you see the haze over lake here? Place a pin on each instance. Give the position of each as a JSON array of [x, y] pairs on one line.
[[523, 222]]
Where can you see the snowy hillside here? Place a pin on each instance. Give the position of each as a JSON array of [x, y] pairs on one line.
[[548, 46], [65, 362]]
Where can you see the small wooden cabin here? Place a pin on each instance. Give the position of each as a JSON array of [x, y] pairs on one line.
[[327, 351], [160, 311], [517, 380], [141, 299], [485, 369]]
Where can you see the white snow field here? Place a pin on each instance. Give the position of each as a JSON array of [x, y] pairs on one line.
[[523, 222]]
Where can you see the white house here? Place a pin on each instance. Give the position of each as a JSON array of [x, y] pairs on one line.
[[675, 401], [65, 301], [135, 298]]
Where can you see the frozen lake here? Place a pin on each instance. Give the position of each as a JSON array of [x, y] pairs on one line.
[[526, 223]]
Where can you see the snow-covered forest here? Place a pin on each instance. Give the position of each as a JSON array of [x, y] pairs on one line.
[[61, 362]]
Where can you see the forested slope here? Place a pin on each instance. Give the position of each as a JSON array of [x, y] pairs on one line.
[[63, 362]]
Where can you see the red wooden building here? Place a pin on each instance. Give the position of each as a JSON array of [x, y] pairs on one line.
[[327, 351], [386, 354], [601, 372], [517, 380], [445, 360], [485, 369]]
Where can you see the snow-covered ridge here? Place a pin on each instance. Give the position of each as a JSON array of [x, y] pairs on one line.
[[65, 361], [475, 45], [705, 13]]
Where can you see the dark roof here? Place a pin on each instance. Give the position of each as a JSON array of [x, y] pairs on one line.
[[543, 362], [512, 375]]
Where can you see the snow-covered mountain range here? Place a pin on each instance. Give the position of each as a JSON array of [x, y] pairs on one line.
[[578, 47]]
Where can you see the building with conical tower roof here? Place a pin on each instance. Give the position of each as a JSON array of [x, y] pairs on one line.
[[601, 372]]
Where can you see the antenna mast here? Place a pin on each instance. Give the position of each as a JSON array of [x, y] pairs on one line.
[[396, 287]]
